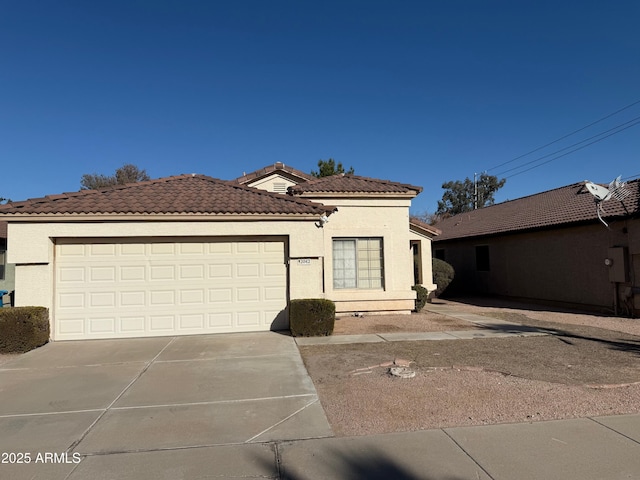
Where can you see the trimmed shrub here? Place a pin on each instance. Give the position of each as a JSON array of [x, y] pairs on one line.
[[422, 296], [443, 274], [311, 317], [23, 328]]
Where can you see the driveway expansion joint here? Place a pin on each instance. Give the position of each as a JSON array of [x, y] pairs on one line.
[[144, 369]]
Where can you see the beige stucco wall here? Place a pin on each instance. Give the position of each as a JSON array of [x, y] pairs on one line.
[[372, 217], [31, 249]]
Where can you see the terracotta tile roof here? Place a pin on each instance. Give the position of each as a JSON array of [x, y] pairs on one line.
[[348, 183], [563, 206], [278, 167], [422, 227], [184, 194]]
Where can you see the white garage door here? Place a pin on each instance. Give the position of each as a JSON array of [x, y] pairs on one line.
[[144, 287]]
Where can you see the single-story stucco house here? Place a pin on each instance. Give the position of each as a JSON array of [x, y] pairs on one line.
[[191, 254], [550, 246]]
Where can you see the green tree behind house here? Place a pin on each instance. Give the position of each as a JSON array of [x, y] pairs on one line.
[[326, 168]]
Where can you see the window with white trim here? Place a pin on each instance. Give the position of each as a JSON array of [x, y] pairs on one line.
[[357, 263]]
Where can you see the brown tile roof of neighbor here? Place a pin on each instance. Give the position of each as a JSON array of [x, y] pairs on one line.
[[563, 206], [348, 183], [183, 194], [269, 169]]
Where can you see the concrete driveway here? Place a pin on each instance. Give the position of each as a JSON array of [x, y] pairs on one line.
[[87, 409]]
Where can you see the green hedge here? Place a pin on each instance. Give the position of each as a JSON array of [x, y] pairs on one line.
[[23, 328], [421, 298], [311, 317], [443, 274]]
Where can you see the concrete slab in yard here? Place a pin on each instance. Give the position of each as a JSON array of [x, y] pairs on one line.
[[63, 389], [218, 379], [238, 461], [471, 334], [90, 352], [481, 319], [628, 425], [416, 455], [577, 449], [415, 336], [228, 345], [338, 339], [179, 426]]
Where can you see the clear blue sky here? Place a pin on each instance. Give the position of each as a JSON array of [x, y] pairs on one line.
[[413, 91]]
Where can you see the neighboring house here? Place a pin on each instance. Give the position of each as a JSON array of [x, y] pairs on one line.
[[7, 270], [192, 254], [551, 247]]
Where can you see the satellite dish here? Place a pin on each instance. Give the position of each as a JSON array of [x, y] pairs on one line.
[[616, 190]]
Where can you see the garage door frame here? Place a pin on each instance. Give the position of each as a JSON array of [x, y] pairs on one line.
[[282, 280]]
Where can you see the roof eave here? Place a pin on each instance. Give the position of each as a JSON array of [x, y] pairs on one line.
[[389, 195], [164, 217], [427, 230], [539, 228]]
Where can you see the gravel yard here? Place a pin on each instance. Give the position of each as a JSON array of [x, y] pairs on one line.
[[589, 365]]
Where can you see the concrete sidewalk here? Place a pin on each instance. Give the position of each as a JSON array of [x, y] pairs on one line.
[[486, 327], [602, 448]]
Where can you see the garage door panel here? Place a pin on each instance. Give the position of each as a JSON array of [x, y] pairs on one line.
[[191, 272], [102, 325], [132, 273], [132, 325], [102, 250], [162, 323], [71, 275], [162, 273], [133, 299], [162, 249], [102, 274], [138, 288], [222, 321]]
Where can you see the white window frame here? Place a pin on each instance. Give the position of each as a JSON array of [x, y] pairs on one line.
[[358, 263]]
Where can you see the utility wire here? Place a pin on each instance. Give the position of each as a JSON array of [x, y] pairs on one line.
[[565, 136], [574, 150], [617, 127]]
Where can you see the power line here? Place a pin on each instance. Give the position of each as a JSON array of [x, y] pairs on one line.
[[565, 136], [618, 129], [574, 150]]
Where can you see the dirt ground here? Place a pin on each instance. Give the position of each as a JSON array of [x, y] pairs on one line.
[[588, 365]]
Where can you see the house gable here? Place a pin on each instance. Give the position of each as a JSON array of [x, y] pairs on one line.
[[274, 178]]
